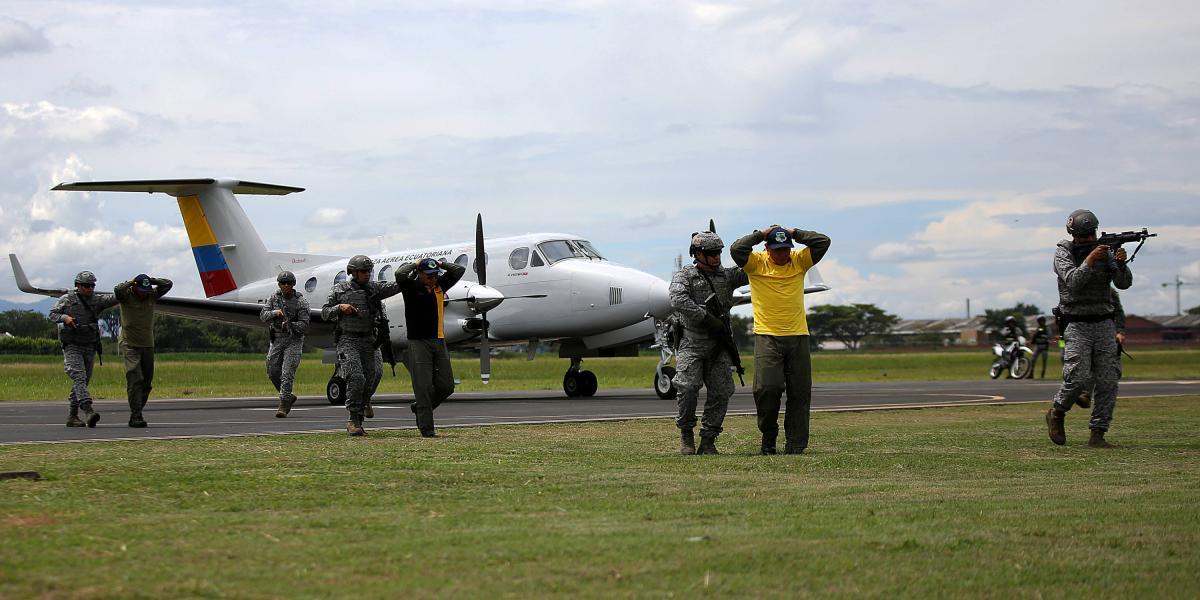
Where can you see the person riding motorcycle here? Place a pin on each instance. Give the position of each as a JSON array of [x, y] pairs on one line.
[[1011, 334]]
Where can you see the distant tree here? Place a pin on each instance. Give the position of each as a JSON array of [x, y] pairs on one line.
[[1195, 310], [27, 323], [848, 324], [112, 321], [994, 318]]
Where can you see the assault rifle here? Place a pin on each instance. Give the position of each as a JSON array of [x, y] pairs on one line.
[[1116, 240], [724, 337]]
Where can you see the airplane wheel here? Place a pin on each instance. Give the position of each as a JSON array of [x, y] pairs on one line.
[[335, 391], [588, 384], [664, 385], [571, 384]]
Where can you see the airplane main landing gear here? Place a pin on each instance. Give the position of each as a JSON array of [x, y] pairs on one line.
[[577, 383], [664, 383]]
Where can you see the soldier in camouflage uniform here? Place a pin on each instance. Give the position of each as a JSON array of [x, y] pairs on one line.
[[381, 333], [351, 307], [77, 313], [701, 360], [1085, 273], [1085, 397], [286, 313]]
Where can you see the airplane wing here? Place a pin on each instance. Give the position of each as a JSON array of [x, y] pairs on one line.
[[221, 311]]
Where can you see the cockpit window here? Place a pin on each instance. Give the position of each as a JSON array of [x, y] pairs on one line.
[[589, 249], [560, 249], [461, 260], [536, 260]]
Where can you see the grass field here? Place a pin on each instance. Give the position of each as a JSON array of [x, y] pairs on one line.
[[220, 375], [917, 503]]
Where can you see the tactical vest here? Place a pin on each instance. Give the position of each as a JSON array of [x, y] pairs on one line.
[[291, 310], [87, 330], [362, 322]]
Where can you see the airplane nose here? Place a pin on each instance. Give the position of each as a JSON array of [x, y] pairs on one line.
[[482, 298], [660, 299]]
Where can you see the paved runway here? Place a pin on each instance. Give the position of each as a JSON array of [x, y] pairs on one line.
[[42, 422]]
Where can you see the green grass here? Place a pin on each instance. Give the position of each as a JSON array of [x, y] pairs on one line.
[[221, 375], [949, 502]]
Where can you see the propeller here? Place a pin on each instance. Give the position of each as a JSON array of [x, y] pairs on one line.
[[485, 355]]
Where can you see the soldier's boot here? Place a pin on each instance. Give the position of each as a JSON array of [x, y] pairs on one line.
[[1084, 400], [73, 418], [354, 425], [687, 442], [368, 412], [768, 446], [1055, 426], [708, 445], [793, 449], [288, 403], [280, 411], [91, 417], [1097, 440], [135, 411]]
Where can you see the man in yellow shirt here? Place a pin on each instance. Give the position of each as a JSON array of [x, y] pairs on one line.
[[781, 352]]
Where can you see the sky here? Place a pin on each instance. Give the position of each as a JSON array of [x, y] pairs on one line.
[[940, 145]]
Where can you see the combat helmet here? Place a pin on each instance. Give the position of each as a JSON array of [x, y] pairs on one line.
[[1082, 222], [705, 241], [359, 262], [286, 277], [86, 278]]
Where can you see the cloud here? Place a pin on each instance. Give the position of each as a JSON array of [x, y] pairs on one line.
[[82, 85], [46, 120], [898, 251], [18, 36], [326, 217]]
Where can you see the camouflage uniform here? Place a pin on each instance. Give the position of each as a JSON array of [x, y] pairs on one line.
[[700, 359], [79, 342], [287, 340], [356, 335], [1086, 299]]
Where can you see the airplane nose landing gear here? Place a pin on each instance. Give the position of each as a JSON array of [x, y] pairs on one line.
[[577, 383]]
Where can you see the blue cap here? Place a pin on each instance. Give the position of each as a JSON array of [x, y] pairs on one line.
[[142, 282], [779, 237], [429, 266]]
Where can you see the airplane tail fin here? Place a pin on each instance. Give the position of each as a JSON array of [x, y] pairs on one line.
[[225, 244]]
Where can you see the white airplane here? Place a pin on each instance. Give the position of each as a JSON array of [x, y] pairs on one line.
[[545, 287]]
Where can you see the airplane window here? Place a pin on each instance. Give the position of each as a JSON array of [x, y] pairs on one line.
[[518, 259], [384, 272], [560, 249], [589, 249], [310, 285], [536, 261], [475, 263], [340, 277], [461, 260]]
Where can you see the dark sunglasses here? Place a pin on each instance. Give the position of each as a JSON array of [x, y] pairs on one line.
[[87, 285], [711, 253]]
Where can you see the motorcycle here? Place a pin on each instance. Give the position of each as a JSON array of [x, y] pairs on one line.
[[1014, 357]]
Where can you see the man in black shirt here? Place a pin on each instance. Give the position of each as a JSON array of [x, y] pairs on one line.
[[423, 284]]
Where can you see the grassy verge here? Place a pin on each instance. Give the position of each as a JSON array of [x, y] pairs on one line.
[[951, 502], [220, 375]]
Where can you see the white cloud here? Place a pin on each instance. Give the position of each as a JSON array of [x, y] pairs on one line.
[[326, 217], [900, 251], [18, 36], [44, 119]]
